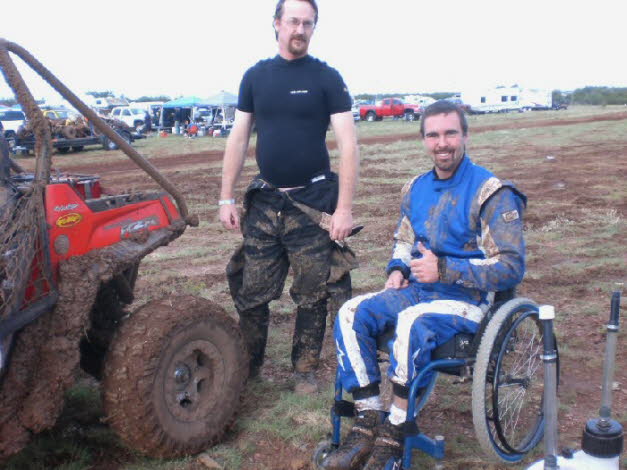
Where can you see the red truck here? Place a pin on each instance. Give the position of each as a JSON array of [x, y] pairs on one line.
[[390, 107]]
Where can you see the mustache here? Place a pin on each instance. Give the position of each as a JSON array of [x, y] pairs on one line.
[[300, 37]]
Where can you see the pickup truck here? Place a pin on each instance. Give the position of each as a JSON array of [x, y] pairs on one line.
[[387, 107], [137, 118]]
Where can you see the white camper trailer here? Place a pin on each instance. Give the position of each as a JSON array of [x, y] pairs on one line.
[[536, 99], [492, 100]]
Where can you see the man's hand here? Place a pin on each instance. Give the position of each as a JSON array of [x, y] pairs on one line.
[[396, 280], [229, 217], [425, 269], [341, 224]]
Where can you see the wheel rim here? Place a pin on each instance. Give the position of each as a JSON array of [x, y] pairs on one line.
[[515, 412], [190, 380], [323, 449]]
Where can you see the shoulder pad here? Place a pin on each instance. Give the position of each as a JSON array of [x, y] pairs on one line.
[[492, 185], [408, 186]]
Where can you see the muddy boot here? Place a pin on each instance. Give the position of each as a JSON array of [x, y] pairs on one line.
[[308, 336], [358, 444], [388, 445], [253, 324]]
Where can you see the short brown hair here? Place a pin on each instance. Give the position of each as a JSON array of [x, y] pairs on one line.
[[443, 107], [278, 13]]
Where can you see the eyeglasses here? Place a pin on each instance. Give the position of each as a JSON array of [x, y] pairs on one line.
[[295, 23]]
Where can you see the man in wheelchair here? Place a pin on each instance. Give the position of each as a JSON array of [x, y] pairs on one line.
[[459, 239]]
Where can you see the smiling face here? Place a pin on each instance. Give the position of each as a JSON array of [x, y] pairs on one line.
[[445, 142], [295, 28]]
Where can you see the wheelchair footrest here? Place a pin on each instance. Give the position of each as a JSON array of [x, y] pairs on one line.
[[344, 408]]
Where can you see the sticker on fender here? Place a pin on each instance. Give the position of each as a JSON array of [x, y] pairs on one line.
[[69, 220]]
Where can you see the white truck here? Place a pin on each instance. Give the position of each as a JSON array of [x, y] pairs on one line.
[[135, 117]]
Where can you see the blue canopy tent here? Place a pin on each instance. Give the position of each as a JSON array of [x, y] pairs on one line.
[[186, 102], [179, 110]]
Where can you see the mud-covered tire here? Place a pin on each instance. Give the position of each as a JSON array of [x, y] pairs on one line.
[[69, 132], [173, 376]]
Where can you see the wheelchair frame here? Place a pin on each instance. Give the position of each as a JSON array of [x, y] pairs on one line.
[[495, 338]]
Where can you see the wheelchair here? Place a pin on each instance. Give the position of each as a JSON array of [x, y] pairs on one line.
[[503, 360]]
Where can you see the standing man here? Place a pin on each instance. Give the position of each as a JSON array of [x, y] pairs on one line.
[[291, 98], [459, 239]]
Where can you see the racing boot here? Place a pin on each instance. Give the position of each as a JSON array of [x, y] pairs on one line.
[[253, 324], [307, 344], [388, 445], [357, 445]]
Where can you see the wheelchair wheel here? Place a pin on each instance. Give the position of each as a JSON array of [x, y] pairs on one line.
[[321, 451], [508, 387]]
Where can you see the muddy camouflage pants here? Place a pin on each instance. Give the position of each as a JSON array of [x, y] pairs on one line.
[[277, 235]]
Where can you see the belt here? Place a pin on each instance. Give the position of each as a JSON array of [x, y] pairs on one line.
[[315, 179]]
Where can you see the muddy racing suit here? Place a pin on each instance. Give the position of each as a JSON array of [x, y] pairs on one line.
[[292, 102], [473, 223]]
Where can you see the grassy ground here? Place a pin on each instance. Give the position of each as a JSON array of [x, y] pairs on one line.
[[576, 238]]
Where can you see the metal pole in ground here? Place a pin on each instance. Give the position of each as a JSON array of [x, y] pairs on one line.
[[549, 357]]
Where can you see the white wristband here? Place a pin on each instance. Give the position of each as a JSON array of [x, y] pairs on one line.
[[225, 202]]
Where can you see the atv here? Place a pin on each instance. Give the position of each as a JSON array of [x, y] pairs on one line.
[[172, 372]]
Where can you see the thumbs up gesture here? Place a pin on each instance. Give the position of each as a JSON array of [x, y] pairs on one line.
[[425, 269]]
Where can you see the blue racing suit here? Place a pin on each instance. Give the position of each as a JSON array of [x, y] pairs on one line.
[[472, 222]]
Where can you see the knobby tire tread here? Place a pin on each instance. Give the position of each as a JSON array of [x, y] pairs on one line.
[[133, 364]]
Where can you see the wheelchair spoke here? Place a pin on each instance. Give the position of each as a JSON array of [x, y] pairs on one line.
[[517, 388]]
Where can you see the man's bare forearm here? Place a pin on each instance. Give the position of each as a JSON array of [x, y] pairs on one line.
[[348, 175], [235, 153], [234, 157], [346, 138]]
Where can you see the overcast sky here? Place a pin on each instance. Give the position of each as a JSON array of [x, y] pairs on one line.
[[148, 47]]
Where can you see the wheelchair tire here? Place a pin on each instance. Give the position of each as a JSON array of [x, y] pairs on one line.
[[507, 391], [320, 453]]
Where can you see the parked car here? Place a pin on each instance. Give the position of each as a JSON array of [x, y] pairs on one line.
[[54, 113], [12, 120], [137, 118], [390, 107]]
